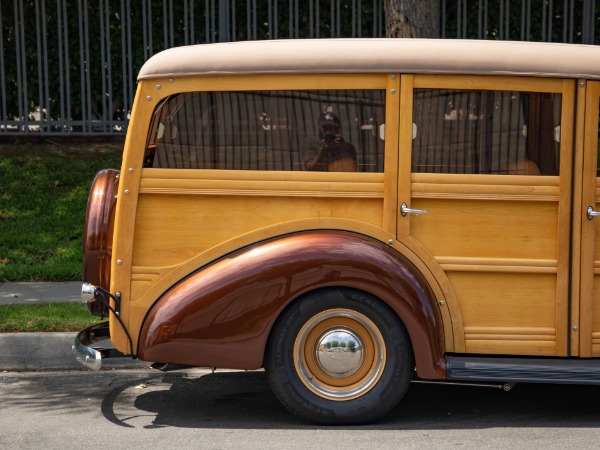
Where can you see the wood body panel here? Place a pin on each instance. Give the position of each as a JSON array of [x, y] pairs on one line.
[[174, 228], [132, 280], [507, 312], [504, 271], [520, 229], [511, 259]]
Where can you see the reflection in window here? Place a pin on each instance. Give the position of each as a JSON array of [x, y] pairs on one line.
[[338, 130], [486, 132]]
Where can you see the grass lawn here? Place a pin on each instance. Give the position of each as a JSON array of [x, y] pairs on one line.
[[64, 316], [43, 196]]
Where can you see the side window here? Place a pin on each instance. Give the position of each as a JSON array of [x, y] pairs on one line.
[[486, 132], [335, 131]]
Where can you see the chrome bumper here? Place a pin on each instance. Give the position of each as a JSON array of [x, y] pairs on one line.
[[93, 344]]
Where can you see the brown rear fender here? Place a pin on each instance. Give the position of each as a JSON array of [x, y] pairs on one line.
[[98, 234], [221, 315]]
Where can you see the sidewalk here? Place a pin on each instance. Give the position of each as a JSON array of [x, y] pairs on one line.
[[24, 293], [45, 351]]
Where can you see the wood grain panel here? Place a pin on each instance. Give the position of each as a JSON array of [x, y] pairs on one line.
[[506, 300], [464, 228], [170, 229]]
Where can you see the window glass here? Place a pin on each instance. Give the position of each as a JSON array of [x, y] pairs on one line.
[[486, 132], [336, 131]]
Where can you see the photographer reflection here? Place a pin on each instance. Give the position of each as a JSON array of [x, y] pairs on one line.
[[334, 153]]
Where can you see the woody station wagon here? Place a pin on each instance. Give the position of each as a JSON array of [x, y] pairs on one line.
[[352, 215]]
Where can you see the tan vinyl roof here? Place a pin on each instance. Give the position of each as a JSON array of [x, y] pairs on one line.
[[378, 55]]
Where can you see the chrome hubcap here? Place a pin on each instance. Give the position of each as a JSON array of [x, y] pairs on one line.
[[339, 354]]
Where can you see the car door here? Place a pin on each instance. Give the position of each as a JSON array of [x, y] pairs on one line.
[[585, 314], [485, 190]]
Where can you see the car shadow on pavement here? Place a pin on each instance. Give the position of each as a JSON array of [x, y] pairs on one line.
[[243, 400]]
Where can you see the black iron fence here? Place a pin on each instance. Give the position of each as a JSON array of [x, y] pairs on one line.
[[68, 67]]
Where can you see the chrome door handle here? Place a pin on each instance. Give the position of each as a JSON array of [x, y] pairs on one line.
[[404, 210], [591, 213]]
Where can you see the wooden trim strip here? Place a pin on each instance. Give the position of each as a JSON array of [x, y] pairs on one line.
[[391, 155], [512, 337], [504, 265], [523, 331], [144, 278], [273, 188], [251, 82], [509, 334], [147, 274], [495, 83], [549, 196], [486, 187], [262, 193], [483, 180], [260, 175], [405, 154]]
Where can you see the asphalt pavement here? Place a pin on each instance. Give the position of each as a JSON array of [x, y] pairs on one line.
[[45, 351]]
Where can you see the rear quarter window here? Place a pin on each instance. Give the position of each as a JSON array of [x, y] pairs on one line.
[[321, 130]]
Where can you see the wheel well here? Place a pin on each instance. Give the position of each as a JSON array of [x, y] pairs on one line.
[[342, 290]]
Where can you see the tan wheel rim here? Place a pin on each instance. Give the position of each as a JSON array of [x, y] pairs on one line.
[[339, 354]]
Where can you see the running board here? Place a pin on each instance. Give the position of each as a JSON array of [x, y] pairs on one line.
[[523, 370]]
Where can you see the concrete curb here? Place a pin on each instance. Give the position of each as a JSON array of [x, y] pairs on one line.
[[49, 351], [45, 351]]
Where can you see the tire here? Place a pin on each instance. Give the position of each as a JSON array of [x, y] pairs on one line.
[[323, 381]]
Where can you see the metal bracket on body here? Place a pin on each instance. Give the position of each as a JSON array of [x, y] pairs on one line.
[[101, 294]]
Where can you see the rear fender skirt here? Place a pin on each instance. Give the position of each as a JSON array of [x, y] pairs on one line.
[[222, 314]]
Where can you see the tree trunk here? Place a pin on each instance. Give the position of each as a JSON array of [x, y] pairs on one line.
[[411, 18]]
